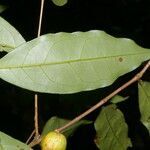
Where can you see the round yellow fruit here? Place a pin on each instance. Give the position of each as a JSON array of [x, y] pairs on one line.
[[54, 141]]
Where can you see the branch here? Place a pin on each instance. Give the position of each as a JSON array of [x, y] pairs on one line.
[[104, 100], [100, 103]]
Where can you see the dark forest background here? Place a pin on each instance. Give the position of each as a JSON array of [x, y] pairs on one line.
[[120, 18]]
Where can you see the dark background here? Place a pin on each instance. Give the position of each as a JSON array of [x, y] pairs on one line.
[[120, 18]]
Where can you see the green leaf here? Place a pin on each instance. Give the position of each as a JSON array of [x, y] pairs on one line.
[[71, 62], [56, 122], [3, 8], [118, 99], [10, 38], [9, 143], [111, 130], [144, 103], [60, 2]]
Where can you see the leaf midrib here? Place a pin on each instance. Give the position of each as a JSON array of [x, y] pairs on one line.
[[68, 61]]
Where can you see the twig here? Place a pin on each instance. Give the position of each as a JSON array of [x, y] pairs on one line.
[[30, 137], [36, 116], [35, 142], [36, 96], [100, 103], [104, 100], [40, 18], [36, 130]]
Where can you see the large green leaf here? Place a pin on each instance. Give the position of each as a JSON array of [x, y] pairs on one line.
[[71, 62], [144, 103], [111, 130], [10, 38], [9, 143], [56, 122]]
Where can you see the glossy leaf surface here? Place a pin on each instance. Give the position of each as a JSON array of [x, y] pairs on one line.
[[56, 122], [144, 103], [71, 62], [111, 130], [9, 143], [10, 38]]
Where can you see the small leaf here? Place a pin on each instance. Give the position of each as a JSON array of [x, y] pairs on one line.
[[144, 103], [60, 2], [118, 98], [71, 62], [3, 8], [10, 38], [111, 130], [56, 122], [9, 143]]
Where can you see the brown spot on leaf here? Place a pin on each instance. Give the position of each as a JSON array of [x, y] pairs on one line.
[[120, 59]]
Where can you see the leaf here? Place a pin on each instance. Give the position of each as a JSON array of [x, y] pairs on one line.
[[56, 122], [118, 99], [111, 130], [10, 38], [60, 2], [71, 62], [3, 8], [9, 143], [144, 103]]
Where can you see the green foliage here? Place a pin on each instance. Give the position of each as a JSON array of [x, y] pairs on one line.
[[56, 122], [118, 98], [9, 143], [71, 62], [60, 2], [111, 130], [3, 8], [144, 103], [10, 38]]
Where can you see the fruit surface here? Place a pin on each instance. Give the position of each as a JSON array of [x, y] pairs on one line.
[[54, 141]]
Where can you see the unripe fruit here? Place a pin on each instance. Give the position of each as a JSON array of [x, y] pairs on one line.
[[54, 141]]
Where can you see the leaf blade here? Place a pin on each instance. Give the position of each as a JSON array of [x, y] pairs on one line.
[[69, 63], [10, 38], [111, 129], [56, 122], [60, 2], [144, 103], [7, 142]]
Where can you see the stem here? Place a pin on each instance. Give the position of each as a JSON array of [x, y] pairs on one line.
[[100, 103], [104, 100], [40, 18], [36, 96], [36, 116], [36, 126], [32, 134]]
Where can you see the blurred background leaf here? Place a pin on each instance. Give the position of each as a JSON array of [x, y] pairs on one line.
[[144, 103], [60, 2], [56, 122], [3, 8]]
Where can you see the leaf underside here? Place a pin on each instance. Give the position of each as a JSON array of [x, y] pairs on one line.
[[111, 130], [71, 62], [144, 103], [9, 143], [10, 38]]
